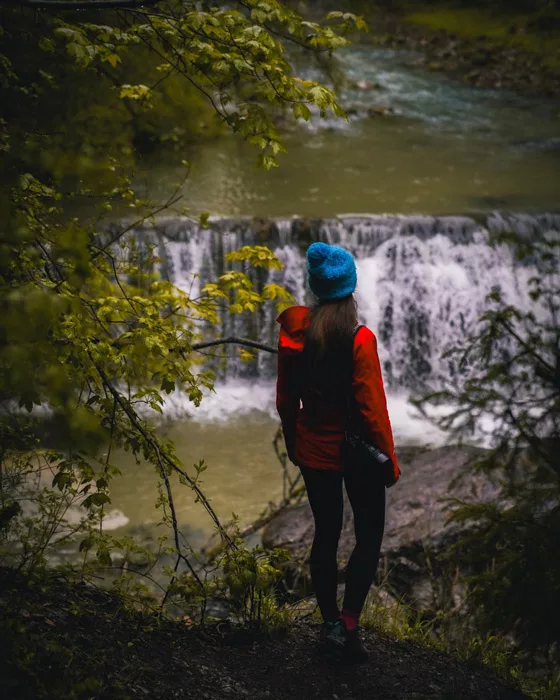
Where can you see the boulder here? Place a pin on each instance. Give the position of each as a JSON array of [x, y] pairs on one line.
[[417, 531]]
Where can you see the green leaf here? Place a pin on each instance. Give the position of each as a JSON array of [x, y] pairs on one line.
[[104, 558], [168, 385], [134, 92], [86, 544], [267, 162], [114, 59], [301, 111]]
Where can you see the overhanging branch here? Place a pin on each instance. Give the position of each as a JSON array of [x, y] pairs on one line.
[[199, 346], [235, 341], [78, 4]]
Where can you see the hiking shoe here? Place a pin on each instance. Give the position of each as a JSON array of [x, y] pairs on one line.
[[354, 649], [333, 633]]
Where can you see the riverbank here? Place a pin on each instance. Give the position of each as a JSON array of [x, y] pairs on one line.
[[486, 48], [62, 640]]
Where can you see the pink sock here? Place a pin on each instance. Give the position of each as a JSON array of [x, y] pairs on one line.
[[349, 618]]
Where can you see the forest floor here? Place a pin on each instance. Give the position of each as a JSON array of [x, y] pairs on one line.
[[480, 46], [66, 640]]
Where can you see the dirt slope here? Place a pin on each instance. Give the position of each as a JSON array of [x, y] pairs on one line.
[[74, 641]]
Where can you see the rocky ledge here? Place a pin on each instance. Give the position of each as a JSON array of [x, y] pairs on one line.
[[417, 531]]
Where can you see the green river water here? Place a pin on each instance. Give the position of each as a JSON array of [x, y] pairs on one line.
[[243, 474], [448, 148]]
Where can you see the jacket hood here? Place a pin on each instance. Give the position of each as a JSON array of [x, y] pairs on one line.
[[293, 324]]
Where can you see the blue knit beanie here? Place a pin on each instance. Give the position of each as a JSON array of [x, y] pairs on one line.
[[331, 270]]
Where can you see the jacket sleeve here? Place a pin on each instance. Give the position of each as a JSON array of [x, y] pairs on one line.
[[369, 395], [287, 396]]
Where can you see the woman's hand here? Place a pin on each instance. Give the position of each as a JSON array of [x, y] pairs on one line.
[[389, 474]]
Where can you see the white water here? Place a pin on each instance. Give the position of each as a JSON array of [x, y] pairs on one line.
[[242, 398], [423, 283]]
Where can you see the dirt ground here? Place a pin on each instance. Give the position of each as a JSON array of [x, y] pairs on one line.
[[61, 640]]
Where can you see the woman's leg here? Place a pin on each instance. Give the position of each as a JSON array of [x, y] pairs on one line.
[[324, 490], [366, 493]]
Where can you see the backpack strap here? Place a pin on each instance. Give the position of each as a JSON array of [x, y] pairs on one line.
[[351, 363], [349, 397], [357, 328]]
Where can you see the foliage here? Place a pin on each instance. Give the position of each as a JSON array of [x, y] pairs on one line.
[[507, 389], [91, 337], [79, 94], [243, 579], [457, 635]]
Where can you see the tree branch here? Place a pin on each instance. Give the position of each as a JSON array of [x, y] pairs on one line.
[[235, 341], [78, 4]]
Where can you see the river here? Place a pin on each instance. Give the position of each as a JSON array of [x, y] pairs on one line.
[[446, 158], [449, 148]]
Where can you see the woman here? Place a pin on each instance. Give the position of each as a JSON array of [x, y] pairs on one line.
[[326, 365]]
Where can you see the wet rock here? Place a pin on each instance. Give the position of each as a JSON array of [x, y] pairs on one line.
[[366, 85], [265, 232], [472, 75], [417, 531], [481, 58], [380, 112]]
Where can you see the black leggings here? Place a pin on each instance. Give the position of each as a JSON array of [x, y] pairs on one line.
[[366, 493]]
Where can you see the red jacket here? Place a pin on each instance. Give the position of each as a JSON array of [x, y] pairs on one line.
[[314, 429]]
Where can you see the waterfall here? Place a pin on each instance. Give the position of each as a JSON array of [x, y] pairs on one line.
[[422, 281]]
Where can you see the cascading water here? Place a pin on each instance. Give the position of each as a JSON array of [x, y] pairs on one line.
[[423, 281]]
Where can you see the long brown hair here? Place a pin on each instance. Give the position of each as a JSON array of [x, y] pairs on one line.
[[328, 344]]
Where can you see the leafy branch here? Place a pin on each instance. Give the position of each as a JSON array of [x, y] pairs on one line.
[[78, 4]]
